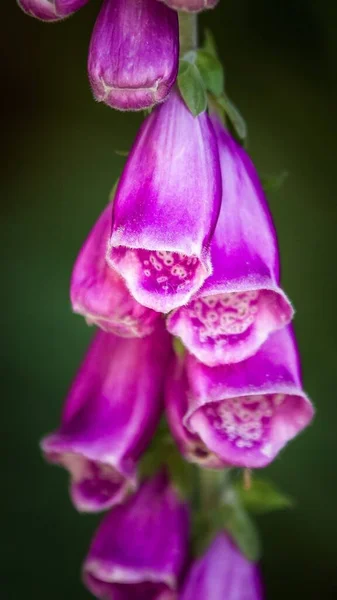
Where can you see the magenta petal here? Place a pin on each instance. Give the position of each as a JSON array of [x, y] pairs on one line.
[[176, 405], [241, 303], [51, 10], [133, 55], [166, 206], [223, 573], [191, 5], [247, 412], [140, 547], [100, 294], [109, 417]]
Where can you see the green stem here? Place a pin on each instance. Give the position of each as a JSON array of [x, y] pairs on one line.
[[188, 32], [213, 486]]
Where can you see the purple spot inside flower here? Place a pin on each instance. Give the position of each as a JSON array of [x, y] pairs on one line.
[[167, 272], [158, 278]]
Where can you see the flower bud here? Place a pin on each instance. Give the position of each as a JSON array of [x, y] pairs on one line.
[[247, 412], [193, 6], [140, 547], [133, 55], [223, 573], [166, 206], [50, 10], [176, 405], [109, 417], [99, 294], [241, 303]]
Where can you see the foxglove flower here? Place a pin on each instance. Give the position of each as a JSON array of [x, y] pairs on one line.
[[246, 412], [140, 547], [191, 5], [109, 417], [176, 405], [99, 294], [133, 55], [166, 206], [51, 10], [223, 573], [241, 303]]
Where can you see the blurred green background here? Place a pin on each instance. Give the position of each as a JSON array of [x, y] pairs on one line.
[[58, 166]]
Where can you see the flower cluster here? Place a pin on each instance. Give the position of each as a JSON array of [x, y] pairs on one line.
[[185, 249]]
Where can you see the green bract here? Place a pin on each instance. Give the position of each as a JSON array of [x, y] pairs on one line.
[[262, 497], [192, 87]]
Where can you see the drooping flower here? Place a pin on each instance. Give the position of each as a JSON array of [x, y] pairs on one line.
[[166, 206], [176, 404], [247, 412], [109, 417], [133, 55], [140, 547], [191, 5], [241, 303], [99, 294], [223, 573], [51, 10]]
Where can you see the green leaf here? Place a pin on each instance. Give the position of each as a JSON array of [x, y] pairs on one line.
[[234, 519], [192, 87], [234, 116], [272, 183], [262, 497], [209, 44], [243, 531], [211, 71]]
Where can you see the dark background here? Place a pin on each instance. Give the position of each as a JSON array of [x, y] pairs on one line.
[[58, 166]]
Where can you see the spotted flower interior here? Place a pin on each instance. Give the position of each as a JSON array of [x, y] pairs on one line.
[[229, 327], [159, 279], [248, 431]]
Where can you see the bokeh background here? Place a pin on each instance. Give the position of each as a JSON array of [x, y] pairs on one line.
[[58, 166]]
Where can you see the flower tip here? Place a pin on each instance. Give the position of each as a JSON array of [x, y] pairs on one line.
[[222, 572], [160, 242], [94, 485], [40, 9], [50, 10], [133, 72], [241, 303], [99, 294], [109, 417], [246, 413], [156, 521]]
